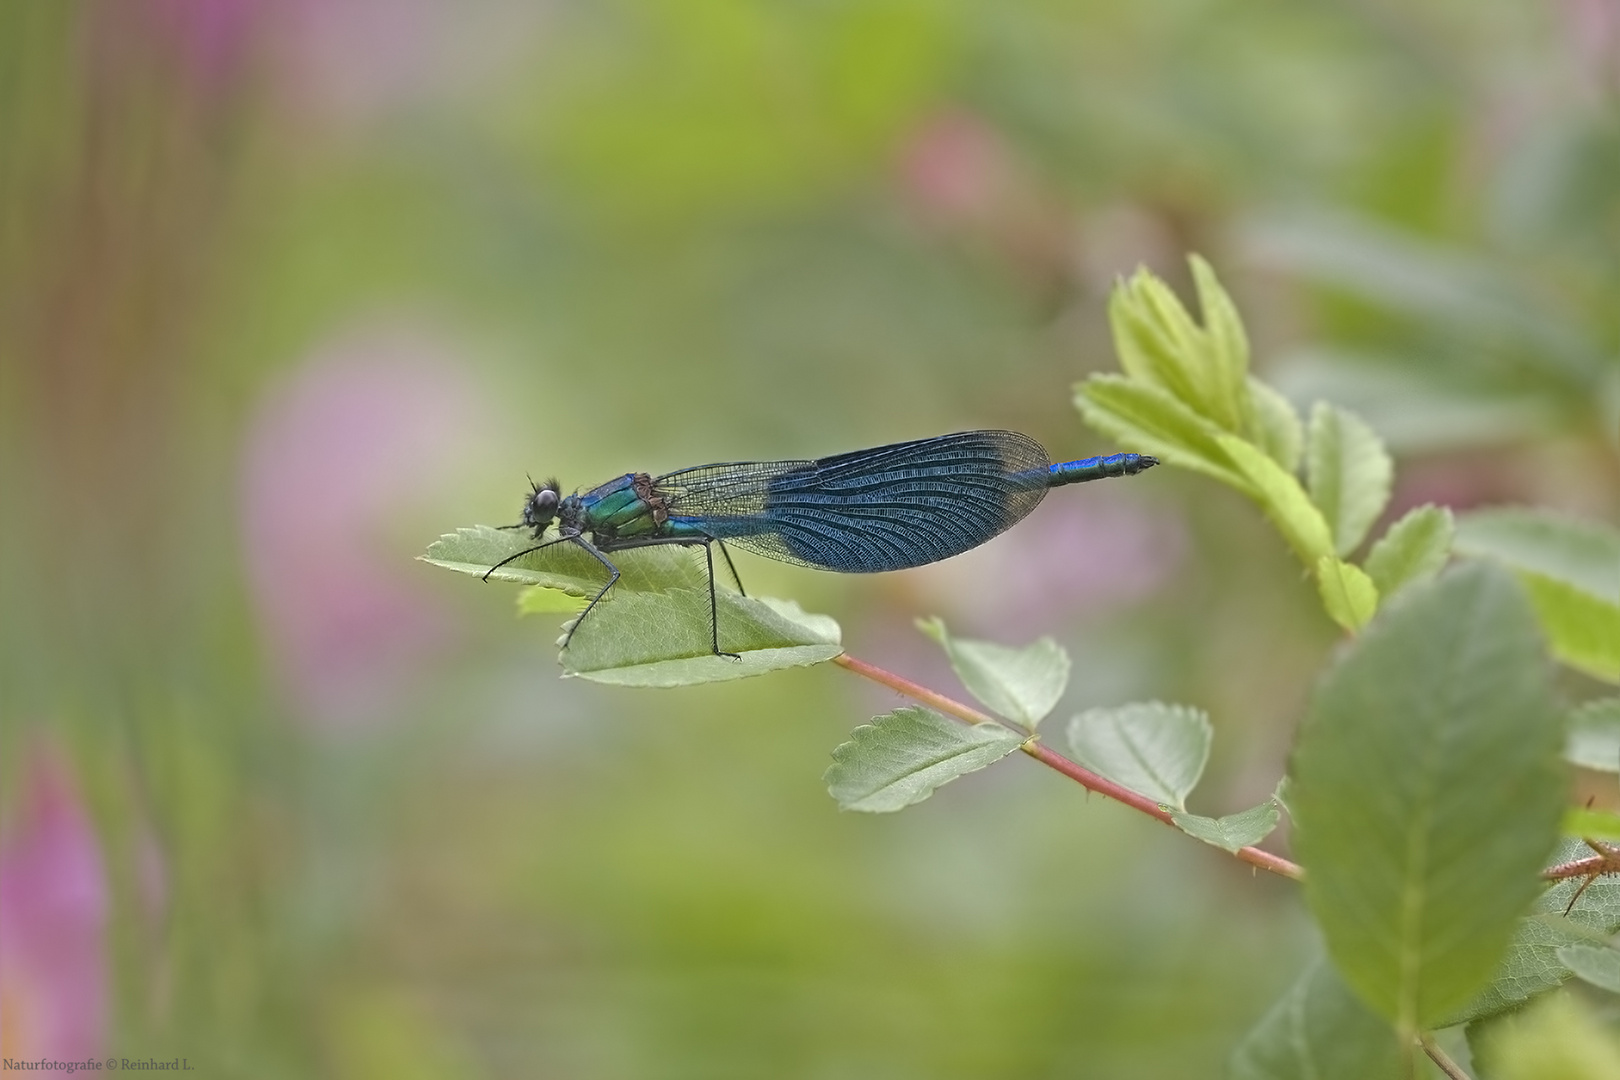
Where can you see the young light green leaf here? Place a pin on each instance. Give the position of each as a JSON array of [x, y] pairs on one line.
[[1413, 549], [1596, 964], [1233, 831], [1023, 685], [1275, 426], [1531, 965], [1557, 1039], [1154, 749], [539, 600], [901, 757], [1283, 500], [1415, 869], [1157, 341], [1319, 1029], [1348, 594], [1582, 631], [1148, 418], [1589, 824], [1582, 554], [1593, 741], [653, 628], [1227, 349], [1348, 473]]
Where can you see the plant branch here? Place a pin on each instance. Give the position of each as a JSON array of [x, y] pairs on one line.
[[1081, 775], [1440, 1058], [1606, 861]]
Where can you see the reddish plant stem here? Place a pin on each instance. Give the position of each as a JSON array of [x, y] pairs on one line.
[[1606, 861], [1264, 860]]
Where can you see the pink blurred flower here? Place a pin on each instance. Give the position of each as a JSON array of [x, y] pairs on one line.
[[1074, 557], [53, 918], [356, 437], [956, 167], [355, 61], [1593, 31], [214, 37]]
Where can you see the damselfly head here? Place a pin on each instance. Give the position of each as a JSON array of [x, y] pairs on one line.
[[541, 506]]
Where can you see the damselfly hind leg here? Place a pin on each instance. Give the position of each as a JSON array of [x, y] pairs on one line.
[[688, 541]]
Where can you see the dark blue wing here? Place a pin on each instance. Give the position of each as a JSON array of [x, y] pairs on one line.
[[887, 508]]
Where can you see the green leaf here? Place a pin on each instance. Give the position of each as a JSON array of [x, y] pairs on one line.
[[1275, 426], [1557, 1039], [1204, 368], [1590, 824], [1348, 473], [1154, 749], [653, 628], [1427, 789], [1320, 1030], [1157, 341], [1233, 831], [539, 600], [1348, 593], [663, 639], [1531, 965], [564, 567], [1283, 500], [1581, 554], [1596, 964], [1149, 419], [1023, 685], [1594, 735], [901, 757], [1227, 397], [1582, 631], [1413, 549]]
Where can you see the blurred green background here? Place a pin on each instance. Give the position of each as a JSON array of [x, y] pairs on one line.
[[288, 289]]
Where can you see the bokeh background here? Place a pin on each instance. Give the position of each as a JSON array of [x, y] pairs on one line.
[[288, 289]]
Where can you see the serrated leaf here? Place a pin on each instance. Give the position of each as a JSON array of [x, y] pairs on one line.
[[1348, 594], [1282, 499], [900, 758], [1154, 749], [1593, 741], [1582, 554], [1348, 474], [1417, 870], [653, 628], [1148, 418], [1233, 831], [565, 567], [1227, 348], [1023, 685], [1596, 964], [1413, 549], [663, 639], [1531, 965], [1275, 426], [1582, 631], [1320, 1030]]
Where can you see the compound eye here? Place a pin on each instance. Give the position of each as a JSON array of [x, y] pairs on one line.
[[541, 507]]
